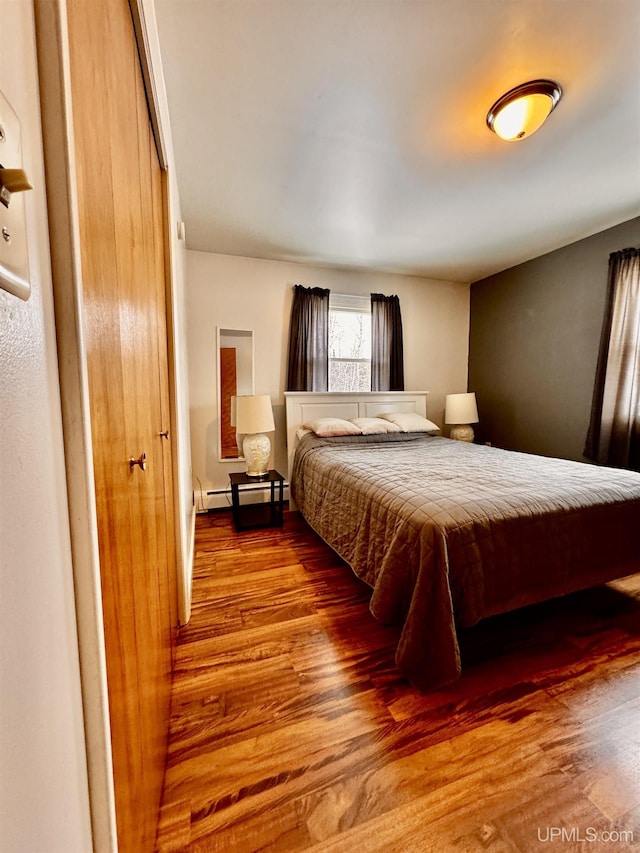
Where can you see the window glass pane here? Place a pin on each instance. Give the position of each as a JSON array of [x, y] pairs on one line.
[[349, 375], [349, 334], [349, 338]]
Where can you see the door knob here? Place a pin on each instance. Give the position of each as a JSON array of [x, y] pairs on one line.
[[141, 461], [164, 434]]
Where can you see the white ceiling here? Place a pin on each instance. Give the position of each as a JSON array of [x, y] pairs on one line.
[[352, 132]]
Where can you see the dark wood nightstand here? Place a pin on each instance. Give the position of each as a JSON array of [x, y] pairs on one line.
[[249, 516]]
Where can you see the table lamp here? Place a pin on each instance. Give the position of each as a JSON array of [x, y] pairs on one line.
[[254, 417], [462, 411]]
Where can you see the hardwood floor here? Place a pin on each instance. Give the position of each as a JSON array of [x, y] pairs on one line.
[[291, 729]]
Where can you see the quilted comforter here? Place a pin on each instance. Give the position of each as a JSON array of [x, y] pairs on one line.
[[448, 533]]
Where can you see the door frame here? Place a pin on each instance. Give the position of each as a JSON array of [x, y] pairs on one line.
[[64, 236]]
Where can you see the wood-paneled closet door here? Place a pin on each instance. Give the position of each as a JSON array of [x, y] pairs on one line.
[[120, 202]]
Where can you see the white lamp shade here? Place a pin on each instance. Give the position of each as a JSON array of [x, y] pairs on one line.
[[254, 414], [461, 409]]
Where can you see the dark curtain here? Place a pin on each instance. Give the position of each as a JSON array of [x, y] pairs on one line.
[[308, 366], [387, 356], [614, 429]]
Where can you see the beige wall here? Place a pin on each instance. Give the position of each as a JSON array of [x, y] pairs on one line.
[[44, 802], [246, 293]]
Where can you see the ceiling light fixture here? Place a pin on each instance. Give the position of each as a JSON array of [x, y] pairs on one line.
[[521, 111]]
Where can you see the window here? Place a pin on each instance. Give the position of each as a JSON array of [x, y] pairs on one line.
[[349, 342]]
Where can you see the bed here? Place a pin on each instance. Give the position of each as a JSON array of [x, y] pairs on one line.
[[448, 533]]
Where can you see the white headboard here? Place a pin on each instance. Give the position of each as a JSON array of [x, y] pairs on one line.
[[303, 406]]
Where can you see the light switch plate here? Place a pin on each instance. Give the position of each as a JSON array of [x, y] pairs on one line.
[[14, 254]]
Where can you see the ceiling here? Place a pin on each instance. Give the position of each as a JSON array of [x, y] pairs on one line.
[[352, 132]]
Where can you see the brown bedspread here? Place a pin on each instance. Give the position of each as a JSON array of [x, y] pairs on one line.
[[448, 533]]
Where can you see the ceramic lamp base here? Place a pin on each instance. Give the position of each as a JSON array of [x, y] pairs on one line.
[[462, 432], [256, 450]]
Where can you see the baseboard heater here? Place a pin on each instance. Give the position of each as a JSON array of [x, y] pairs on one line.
[[213, 499]]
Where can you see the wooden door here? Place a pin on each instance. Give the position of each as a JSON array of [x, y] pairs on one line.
[[120, 203]]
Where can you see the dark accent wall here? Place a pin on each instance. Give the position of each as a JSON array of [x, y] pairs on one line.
[[534, 336]]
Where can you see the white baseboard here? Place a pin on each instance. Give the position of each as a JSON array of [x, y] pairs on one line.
[[221, 498], [217, 500]]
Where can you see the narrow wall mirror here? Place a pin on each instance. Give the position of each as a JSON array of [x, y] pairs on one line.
[[235, 377]]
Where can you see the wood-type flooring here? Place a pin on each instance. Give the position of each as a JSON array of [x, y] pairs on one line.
[[292, 730]]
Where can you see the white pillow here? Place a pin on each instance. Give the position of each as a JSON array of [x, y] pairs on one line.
[[374, 426], [332, 426], [410, 422], [301, 432]]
